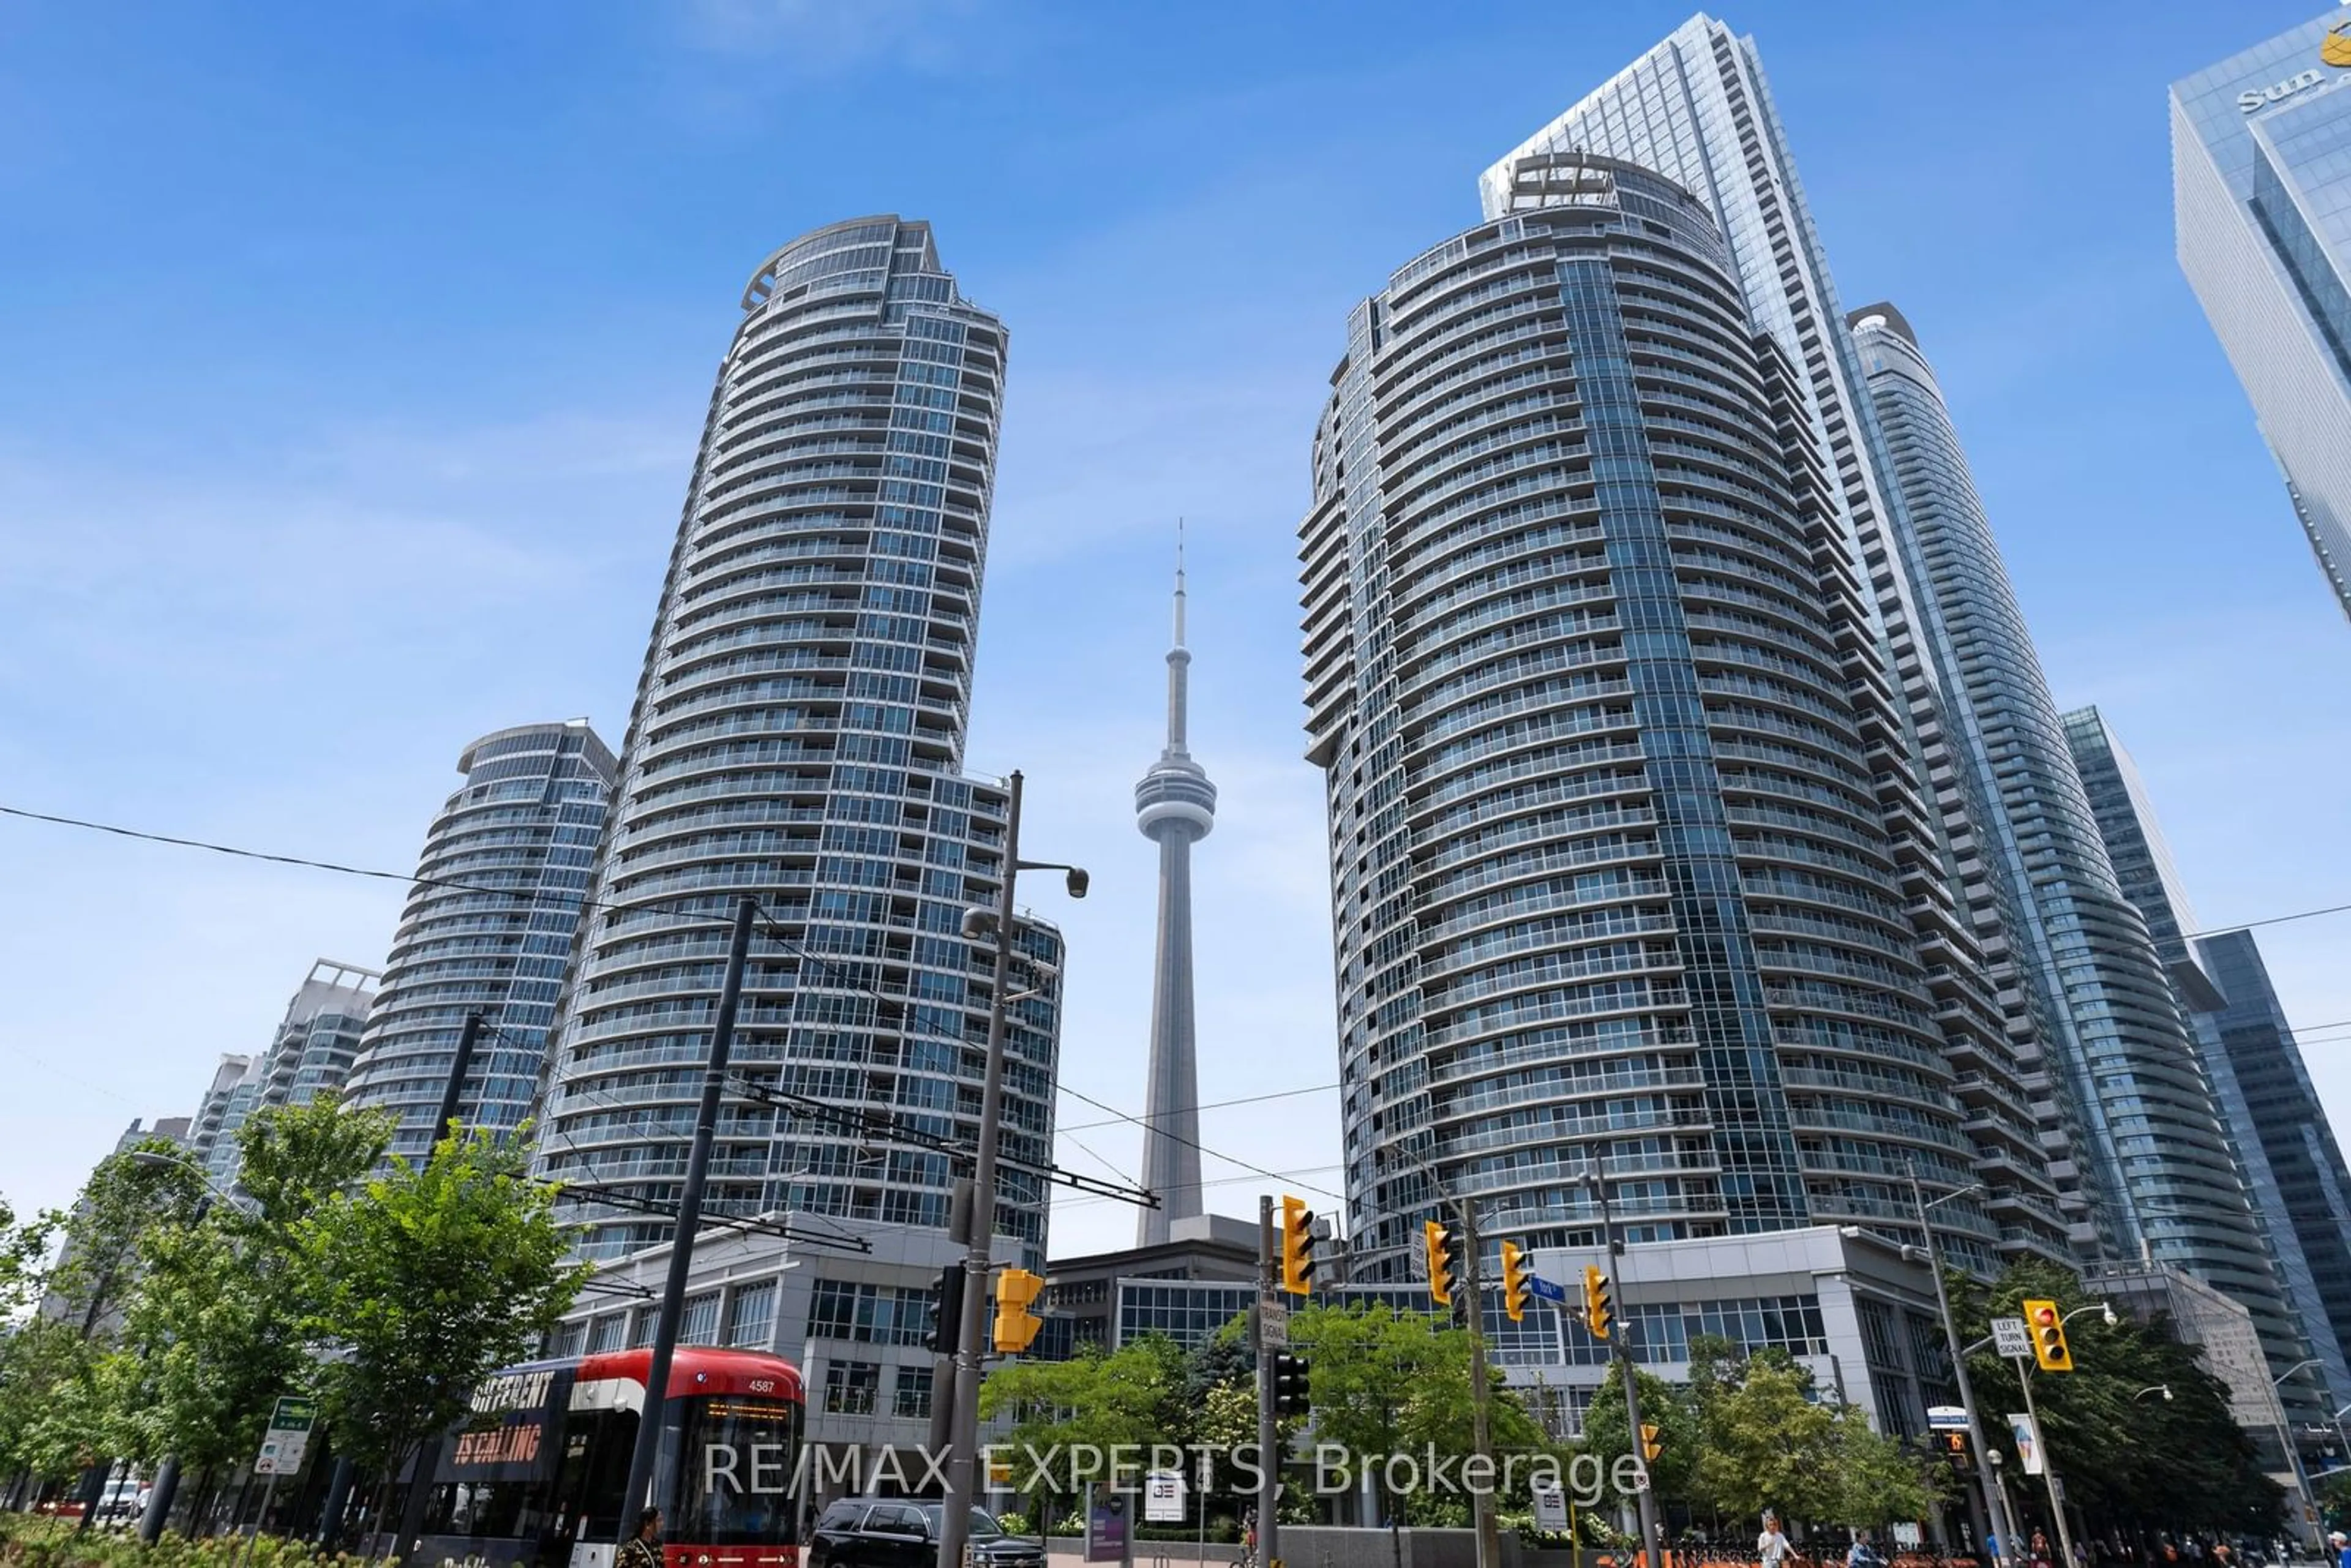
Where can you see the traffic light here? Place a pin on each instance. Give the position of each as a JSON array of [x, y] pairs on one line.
[[1297, 1247], [1955, 1449], [1649, 1444], [947, 1312], [1516, 1293], [1016, 1324], [1291, 1395], [2042, 1321], [1599, 1312], [1438, 1242]]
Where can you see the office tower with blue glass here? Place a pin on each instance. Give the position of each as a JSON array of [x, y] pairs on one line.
[[488, 929], [1608, 769], [2283, 1147], [797, 736], [1174, 807], [2116, 1028], [2261, 172], [1697, 109]]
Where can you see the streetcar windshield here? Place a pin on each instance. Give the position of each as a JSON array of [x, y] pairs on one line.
[[738, 1459]]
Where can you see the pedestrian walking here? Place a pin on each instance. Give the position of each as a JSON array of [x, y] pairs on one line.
[[2342, 1544], [643, 1548], [1772, 1548]]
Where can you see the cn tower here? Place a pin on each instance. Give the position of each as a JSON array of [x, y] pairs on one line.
[[1174, 807]]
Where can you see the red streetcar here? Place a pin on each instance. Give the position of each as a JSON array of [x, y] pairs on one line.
[[533, 1477]]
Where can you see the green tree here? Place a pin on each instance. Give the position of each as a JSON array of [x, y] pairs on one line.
[[1769, 1443], [1097, 1399], [1386, 1382], [425, 1280], [1879, 1481], [1753, 1433], [65, 1407], [125, 1200], [2127, 1457], [218, 1328], [23, 1248], [44, 1420], [1607, 1431]]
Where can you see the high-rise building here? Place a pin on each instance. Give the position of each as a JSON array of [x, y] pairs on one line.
[[2282, 1152], [204, 1134], [311, 1054], [1696, 108], [488, 929], [797, 736], [1174, 807], [1610, 763], [2299, 1179], [2262, 205], [2115, 1029]]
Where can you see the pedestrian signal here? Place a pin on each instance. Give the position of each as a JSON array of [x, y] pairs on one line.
[[1016, 1325]]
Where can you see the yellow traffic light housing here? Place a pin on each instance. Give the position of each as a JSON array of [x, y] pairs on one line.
[[1649, 1444], [1516, 1293], [1017, 1290], [2047, 1326], [1297, 1247], [1599, 1312], [1438, 1243]]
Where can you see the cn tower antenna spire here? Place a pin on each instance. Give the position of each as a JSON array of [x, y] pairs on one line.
[[1179, 582], [1174, 807]]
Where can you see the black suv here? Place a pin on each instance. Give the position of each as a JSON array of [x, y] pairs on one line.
[[903, 1533]]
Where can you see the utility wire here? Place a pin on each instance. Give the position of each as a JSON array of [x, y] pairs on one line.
[[1204, 1105], [2272, 920], [586, 903], [1189, 1143], [1220, 1181]]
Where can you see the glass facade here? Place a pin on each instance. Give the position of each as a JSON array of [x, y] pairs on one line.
[[311, 1054], [2260, 150], [2155, 1141], [1191, 1313], [2299, 1181], [1698, 109], [798, 736], [518, 836], [1612, 871], [2283, 1153]]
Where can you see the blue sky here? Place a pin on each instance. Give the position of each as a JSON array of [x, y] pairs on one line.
[[351, 360]]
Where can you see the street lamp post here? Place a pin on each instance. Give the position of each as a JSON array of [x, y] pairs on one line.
[[166, 1485], [962, 1468], [1995, 1497], [1481, 1502], [2293, 1456], [1651, 1533]]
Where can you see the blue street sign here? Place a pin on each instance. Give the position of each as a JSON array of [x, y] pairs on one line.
[[1545, 1289]]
